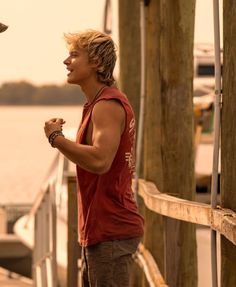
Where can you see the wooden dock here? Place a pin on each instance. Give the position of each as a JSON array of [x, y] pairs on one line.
[[9, 279]]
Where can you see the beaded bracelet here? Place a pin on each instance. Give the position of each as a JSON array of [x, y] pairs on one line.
[[53, 135]]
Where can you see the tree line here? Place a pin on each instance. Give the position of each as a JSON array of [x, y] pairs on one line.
[[25, 93]]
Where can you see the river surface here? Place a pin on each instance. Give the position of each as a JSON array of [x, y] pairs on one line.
[[25, 154]]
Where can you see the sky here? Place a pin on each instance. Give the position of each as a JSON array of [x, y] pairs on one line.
[[33, 47]]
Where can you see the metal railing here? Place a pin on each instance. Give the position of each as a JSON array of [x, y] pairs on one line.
[[44, 255], [43, 214]]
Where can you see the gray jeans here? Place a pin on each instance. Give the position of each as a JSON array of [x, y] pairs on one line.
[[108, 264]]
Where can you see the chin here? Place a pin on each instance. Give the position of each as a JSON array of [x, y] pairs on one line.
[[71, 81]]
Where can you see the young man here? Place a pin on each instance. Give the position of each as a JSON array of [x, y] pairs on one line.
[[110, 227]]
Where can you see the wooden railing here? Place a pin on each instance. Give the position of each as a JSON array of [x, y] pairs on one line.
[[219, 219], [145, 260]]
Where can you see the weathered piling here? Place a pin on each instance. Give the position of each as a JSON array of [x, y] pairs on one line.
[[228, 140]]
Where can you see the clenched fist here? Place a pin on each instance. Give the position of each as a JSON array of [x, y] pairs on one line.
[[53, 125]]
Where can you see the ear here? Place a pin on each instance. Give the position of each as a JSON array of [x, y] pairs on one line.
[[95, 64]]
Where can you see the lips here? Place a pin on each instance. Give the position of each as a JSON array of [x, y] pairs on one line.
[[70, 71]]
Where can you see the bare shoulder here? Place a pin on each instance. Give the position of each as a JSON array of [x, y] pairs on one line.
[[109, 110]]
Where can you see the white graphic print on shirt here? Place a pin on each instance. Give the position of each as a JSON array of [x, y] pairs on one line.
[[130, 155]]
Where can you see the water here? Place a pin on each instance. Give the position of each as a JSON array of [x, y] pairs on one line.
[[25, 153]]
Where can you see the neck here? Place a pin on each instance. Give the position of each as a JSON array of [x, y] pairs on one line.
[[92, 90]]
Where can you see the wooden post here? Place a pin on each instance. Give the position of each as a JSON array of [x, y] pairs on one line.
[[176, 65], [129, 55], [129, 51], [153, 168], [228, 141], [73, 247]]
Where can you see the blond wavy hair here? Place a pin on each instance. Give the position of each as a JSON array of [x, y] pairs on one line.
[[101, 49]]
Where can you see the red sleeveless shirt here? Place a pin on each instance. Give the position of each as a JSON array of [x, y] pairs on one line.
[[106, 205]]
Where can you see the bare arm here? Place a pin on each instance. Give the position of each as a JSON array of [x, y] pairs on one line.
[[108, 119]]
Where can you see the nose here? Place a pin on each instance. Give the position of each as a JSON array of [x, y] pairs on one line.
[[3, 27], [66, 61]]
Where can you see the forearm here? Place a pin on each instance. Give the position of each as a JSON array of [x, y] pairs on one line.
[[86, 156]]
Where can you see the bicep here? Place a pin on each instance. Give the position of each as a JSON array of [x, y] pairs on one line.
[[108, 123]]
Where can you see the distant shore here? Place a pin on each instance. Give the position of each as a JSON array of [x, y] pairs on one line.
[[25, 93]]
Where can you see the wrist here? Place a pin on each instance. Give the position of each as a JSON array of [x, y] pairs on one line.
[[53, 136], [56, 142]]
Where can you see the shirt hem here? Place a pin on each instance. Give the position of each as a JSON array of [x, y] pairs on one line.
[[86, 243]]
